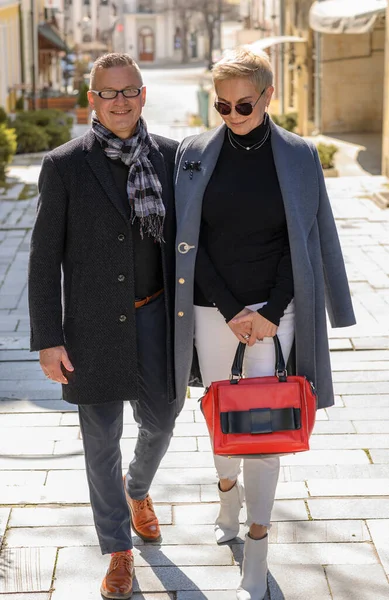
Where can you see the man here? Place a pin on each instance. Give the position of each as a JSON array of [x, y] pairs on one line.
[[106, 220]]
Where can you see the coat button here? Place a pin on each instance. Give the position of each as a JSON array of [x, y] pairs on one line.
[[181, 280], [122, 318], [121, 237], [121, 277], [183, 247], [180, 314]]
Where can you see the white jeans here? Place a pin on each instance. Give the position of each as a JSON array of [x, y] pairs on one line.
[[216, 346]]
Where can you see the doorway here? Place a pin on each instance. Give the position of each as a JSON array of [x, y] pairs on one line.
[[146, 44]]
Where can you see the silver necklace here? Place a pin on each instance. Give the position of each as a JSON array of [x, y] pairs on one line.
[[255, 146]]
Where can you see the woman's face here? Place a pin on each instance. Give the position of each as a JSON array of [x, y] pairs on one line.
[[237, 90]]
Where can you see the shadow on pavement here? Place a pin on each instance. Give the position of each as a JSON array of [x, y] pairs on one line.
[[370, 157], [181, 581]]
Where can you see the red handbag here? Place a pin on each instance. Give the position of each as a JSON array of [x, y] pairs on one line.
[[260, 415]]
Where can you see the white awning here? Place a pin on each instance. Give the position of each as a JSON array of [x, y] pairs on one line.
[[267, 42], [345, 16]]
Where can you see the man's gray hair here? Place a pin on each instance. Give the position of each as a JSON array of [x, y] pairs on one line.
[[243, 62], [113, 59]]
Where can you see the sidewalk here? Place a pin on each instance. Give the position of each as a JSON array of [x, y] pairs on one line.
[[330, 534]]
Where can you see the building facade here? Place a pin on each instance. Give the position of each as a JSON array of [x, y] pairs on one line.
[[385, 131], [155, 32], [10, 53]]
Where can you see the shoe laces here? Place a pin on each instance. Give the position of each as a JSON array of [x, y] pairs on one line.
[[139, 505], [121, 560]]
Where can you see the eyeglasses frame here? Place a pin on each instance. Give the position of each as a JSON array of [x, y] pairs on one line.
[[252, 105], [117, 92]]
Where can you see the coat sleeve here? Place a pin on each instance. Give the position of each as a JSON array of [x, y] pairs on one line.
[[46, 254], [338, 299]]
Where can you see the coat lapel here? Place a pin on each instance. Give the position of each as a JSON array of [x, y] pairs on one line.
[[99, 165], [190, 190]]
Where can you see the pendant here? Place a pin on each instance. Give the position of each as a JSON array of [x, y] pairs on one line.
[[247, 147]]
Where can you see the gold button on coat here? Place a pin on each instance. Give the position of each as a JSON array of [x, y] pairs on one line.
[[180, 314], [181, 280]]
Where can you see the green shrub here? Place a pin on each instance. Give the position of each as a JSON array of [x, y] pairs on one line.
[[46, 116], [83, 95], [30, 137], [288, 121], [54, 127], [3, 115], [57, 134], [326, 154], [7, 148]]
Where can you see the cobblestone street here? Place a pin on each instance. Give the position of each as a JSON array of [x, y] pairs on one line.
[[330, 534]]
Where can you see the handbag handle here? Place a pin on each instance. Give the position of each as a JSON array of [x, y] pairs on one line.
[[237, 365]]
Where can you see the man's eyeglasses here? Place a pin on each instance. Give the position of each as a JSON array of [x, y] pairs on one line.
[[111, 94], [243, 108]]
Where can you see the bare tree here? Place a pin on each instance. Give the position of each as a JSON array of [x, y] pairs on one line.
[[213, 12], [184, 10]]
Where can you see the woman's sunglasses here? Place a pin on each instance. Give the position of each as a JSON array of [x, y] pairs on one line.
[[243, 108]]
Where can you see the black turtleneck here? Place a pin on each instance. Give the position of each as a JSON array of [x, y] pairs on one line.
[[243, 255]]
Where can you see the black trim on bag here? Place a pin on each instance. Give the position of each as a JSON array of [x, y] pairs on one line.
[[260, 420]]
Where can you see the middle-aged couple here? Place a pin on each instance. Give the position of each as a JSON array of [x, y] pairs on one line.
[[141, 251]]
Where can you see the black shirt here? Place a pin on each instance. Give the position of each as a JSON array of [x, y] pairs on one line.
[[244, 256], [146, 251]]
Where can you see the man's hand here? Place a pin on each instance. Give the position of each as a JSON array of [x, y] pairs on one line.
[[260, 327], [241, 330], [51, 359]]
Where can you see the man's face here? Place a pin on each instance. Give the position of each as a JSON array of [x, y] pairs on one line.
[[120, 115]]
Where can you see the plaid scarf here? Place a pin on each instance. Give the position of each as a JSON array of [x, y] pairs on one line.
[[144, 189]]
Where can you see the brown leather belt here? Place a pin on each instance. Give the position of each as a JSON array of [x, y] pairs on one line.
[[139, 303]]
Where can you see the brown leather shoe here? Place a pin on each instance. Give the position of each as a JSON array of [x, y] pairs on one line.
[[117, 583], [143, 518]]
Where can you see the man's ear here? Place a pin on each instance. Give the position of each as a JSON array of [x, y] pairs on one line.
[[91, 99]]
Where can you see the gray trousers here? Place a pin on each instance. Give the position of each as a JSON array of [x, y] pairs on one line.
[[102, 427]]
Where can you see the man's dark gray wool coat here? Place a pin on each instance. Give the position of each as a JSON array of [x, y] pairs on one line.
[[82, 228]]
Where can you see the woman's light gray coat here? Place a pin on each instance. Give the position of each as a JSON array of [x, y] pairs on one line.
[[318, 269]]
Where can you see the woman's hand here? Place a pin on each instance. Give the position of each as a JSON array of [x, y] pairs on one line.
[[260, 327], [241, 329]]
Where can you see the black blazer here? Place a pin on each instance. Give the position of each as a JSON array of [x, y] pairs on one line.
[[82, 230]]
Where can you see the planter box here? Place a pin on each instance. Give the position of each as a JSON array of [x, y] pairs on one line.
[[331, 172], [65, 103], [82, 115], [381, 199]]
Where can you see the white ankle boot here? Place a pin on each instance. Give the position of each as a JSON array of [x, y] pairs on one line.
[[227, 522], [253, 584]]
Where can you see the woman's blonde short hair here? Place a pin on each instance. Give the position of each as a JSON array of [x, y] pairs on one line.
[[113, 59], [243, 62]]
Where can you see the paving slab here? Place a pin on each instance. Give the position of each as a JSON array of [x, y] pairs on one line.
[[74, 516], [26, 569], [318, 532], [4, 516], [365, 582], [182, 555], [371, 426], [292, 582], [379, 531], [348, 487], [368, 471], [353, 508], [349, 441]]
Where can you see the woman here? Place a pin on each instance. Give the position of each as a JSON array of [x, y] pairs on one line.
[[258, 252]]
